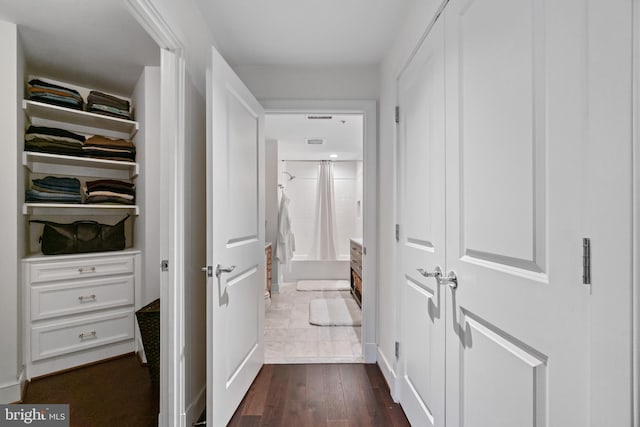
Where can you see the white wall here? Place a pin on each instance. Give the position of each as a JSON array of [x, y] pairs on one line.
[[418, 17], [296, 82], [146, 101], [12, 249]]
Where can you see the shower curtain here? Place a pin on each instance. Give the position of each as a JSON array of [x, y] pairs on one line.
[[323, 245]]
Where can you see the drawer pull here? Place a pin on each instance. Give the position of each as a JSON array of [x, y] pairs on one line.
[[86, 270], [91, 297], [87, 335]]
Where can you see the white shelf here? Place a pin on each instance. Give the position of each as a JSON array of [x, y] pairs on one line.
[[41, 114], [46, 163], [75, 209]]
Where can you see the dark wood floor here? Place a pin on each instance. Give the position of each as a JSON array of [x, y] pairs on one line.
[[119, 393], [331, 395], [113, 393]]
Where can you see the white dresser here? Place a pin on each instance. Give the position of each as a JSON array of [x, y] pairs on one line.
[[78, 309]]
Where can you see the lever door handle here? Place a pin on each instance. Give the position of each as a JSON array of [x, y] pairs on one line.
[[450, 279], [220, 270], [437, 272]]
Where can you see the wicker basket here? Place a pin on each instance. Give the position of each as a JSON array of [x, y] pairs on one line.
[[149, 322]]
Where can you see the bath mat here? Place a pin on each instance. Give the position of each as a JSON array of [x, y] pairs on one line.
[[323, 285], [334, 312]]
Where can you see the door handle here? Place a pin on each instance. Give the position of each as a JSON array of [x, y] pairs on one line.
[[220, 270], [437, 272], [450, 279]]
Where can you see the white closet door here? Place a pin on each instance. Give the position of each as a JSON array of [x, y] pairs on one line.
[[518, 328], [422, 243]]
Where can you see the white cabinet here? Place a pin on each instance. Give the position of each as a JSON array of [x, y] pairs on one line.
[[78, 309]]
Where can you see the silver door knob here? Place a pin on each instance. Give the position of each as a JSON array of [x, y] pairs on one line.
[[450, 280], [220, 270], [437, 272]]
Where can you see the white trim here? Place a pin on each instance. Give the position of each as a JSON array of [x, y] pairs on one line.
[[371, 351], [172, 143], [370, 212], [154, 24], [635, 251], [13, 392], [389, 375]]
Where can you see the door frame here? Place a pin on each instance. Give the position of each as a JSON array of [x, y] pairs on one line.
[[172, 144], [635, 251], [368, 108]]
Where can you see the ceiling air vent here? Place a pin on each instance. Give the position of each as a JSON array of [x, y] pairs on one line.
[[319, 117], [315, 141]]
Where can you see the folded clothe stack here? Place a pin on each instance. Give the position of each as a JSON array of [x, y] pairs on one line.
[[53, 94], [110, 191], [53, 189], [112, 149], [109, 105], [52, 140]]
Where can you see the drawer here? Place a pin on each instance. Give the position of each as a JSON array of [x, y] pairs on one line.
[[81, 268], [56, 339], [76, 297]]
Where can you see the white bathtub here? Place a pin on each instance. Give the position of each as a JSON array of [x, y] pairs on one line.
[[314, 269]]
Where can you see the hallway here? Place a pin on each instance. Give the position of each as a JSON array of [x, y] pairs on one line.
[[319, 395]]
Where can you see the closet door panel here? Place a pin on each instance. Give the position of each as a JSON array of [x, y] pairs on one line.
[[421, 147], [501, 130], [517, 328]]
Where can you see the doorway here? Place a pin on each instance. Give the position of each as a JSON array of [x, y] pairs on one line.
[[307, 144], [314, 219]]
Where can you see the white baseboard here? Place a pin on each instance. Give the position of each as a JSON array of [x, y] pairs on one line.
[[12, 392], [388, 373], [195, 408]]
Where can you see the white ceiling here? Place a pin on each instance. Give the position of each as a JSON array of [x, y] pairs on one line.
[[94, 43], [343, 135], [303, 32]]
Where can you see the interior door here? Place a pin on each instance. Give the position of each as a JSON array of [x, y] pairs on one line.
[[235, 240], [421, 136], [518, 327]]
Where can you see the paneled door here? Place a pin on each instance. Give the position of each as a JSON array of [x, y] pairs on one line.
[[518, 321], [235, 241], [421, 246]]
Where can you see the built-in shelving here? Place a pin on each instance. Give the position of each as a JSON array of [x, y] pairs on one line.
[[46, 163], [41, 114], [69, 208]]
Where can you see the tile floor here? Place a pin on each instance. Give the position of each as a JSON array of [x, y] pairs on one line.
[[289, 338]]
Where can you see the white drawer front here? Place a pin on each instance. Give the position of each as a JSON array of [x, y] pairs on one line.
[[81, 268], [80, 296], [56, 339]]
